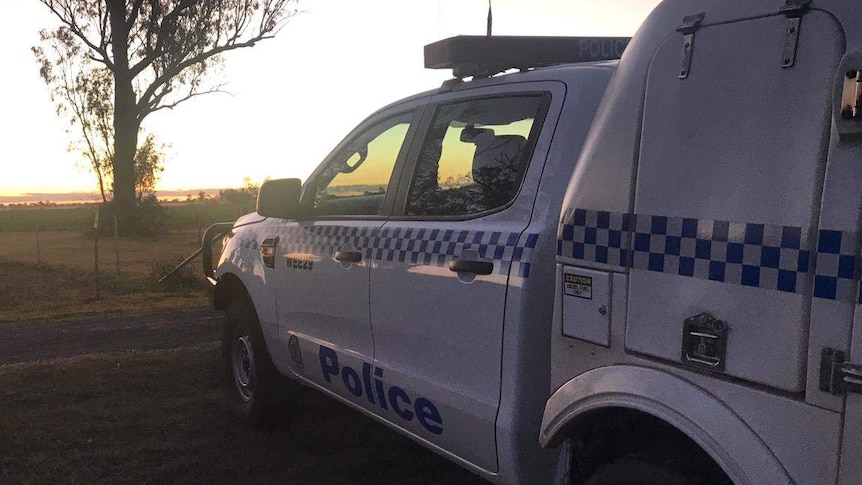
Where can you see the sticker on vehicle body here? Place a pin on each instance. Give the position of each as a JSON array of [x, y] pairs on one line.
[[369, 383], [579, 286], [297, 263]]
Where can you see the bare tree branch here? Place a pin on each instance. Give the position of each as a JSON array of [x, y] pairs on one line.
[[187, 97], [168, 75], [70, 20]]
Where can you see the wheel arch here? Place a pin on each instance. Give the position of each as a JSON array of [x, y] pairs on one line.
[[228, 288], [684, 407]]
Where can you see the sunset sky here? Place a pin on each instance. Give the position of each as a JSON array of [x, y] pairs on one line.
[[292, 98]]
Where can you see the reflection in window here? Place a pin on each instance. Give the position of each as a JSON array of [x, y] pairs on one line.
[[355, 179], [475, 156]]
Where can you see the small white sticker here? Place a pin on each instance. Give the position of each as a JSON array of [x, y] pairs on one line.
[[579, 286]]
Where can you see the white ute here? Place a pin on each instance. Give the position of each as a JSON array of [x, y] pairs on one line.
[[636, 271]]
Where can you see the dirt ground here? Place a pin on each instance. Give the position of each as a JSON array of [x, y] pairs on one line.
[[35, 340], [138, 399]]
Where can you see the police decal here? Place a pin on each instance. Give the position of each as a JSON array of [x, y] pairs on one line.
[[359, 383]]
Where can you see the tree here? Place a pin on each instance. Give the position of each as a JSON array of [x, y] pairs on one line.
[[149, 165], [83, 94], [152, 55]]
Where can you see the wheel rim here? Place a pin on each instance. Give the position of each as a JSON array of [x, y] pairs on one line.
[[243, 367]]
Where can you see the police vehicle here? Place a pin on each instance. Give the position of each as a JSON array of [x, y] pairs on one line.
[[633, 271]]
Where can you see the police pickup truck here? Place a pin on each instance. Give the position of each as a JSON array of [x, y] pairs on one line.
[[633, 271]]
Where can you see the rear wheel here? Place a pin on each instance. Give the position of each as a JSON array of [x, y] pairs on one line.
[[257, 392]]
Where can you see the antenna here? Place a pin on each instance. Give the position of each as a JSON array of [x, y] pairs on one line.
[[490, 19]]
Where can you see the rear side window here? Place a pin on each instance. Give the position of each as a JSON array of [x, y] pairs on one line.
[[475, 156]]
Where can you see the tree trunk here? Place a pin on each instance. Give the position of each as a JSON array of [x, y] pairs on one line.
[[126, 122], [126, 128]]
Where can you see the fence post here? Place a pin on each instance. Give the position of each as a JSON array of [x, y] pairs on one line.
[[38, 245], [96, 251], [116, 241]]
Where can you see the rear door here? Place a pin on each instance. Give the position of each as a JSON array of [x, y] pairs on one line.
[[736, 128], [440, 273]]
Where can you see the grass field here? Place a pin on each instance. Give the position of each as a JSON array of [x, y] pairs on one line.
[[181, 216], [157, 417], [75, 250], [30, 291], [57, 281]]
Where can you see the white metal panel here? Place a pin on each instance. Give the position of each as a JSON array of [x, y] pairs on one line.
[[587, 305], [324, 303], [726, 145], [851, 465], [440, 336]]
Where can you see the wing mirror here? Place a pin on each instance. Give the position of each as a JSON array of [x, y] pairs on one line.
[[280, 198]]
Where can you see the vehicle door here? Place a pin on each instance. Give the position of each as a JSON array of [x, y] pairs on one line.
[[322, 261], [443, 262]]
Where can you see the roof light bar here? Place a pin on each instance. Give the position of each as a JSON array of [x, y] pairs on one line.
[[483, 56]]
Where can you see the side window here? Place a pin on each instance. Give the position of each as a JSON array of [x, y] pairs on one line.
[[475, 156], [355, 180]]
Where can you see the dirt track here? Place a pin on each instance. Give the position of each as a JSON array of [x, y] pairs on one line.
[[29, 341]]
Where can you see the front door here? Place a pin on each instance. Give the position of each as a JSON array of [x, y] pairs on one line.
[[441, 270], [322, 262]]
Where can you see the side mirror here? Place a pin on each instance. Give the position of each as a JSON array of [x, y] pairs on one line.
[[279, 198]]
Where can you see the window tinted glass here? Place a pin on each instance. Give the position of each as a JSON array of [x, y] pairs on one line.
[[355, 180], [475, 156]]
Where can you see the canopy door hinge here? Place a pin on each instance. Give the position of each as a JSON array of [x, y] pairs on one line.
[[793, 10], [689, 26], [838, 375]]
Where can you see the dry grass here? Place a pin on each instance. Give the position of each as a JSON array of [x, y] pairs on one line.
[[31, 291], [75, 250], [57, 281], [157, 417]]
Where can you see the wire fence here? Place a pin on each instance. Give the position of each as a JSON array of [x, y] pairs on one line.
[[72, 240]]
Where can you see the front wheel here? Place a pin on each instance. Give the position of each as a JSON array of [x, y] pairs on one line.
[[257, 392]]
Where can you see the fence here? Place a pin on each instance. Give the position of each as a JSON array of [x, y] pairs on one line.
[[60, 236]]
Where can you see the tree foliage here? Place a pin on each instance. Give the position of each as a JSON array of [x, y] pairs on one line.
[[245, 196], [114, 62]]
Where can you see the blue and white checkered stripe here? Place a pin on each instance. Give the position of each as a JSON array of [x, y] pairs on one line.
[[509, 251], [765, 256], [326, 240], [837, 266], [598, 236], [436, 247], [759, 255]]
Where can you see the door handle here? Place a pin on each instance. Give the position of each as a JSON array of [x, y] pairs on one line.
[[471, 266], [348, 256]]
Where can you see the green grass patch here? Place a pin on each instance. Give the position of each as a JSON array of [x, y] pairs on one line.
[[158, 417]]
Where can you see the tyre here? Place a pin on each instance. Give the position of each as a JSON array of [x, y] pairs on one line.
[[257, 392], [639, 470]]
